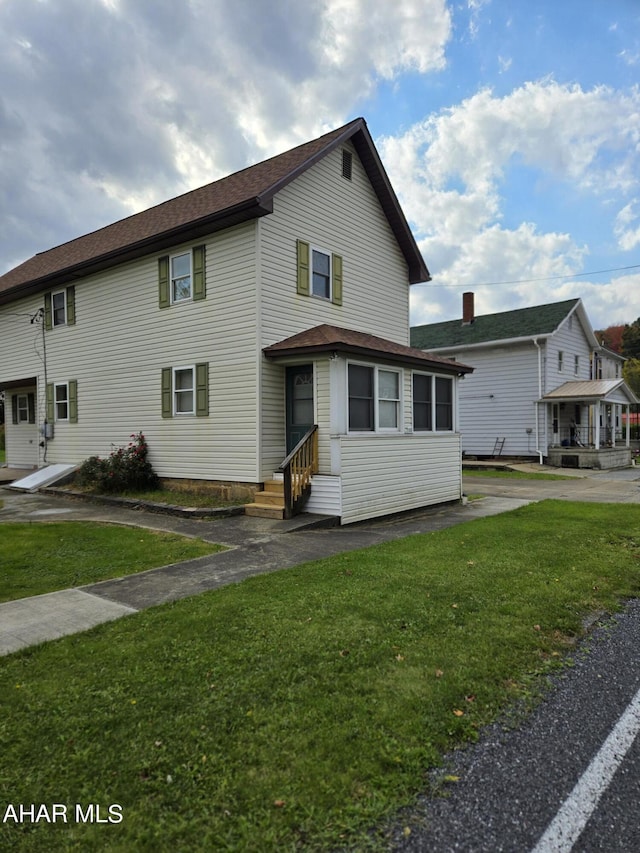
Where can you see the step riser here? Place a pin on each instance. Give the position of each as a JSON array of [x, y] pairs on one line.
[[264, 511]]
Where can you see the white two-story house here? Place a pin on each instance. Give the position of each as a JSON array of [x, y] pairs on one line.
[[257, 325], [542, 386]]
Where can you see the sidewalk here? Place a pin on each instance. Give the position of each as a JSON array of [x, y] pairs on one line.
[[255, 545]]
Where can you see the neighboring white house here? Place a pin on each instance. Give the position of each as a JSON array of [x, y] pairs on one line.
[[542, 385], [228, 322]]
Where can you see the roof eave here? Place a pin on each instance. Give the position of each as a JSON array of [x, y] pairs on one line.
[[251, 209], [358, 133], [367, 352]]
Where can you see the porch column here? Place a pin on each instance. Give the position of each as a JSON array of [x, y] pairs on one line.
[[627, 409], [597, 435]]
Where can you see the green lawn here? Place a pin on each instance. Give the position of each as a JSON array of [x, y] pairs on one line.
[[298, 709], [38, 558]]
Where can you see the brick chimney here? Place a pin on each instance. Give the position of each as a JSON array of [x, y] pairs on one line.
[[468, 315]]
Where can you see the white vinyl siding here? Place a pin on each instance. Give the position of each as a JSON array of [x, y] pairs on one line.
[[117, 360], [341, 217], [497, 400], [384, 474]]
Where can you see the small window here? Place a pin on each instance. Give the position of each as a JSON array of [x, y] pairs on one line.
[[347, 164], [183, 391], [432, 403], [22, 408], [59, 308], [61, 401], [181, 277], [560, 360], [321, 274], [576, 365]]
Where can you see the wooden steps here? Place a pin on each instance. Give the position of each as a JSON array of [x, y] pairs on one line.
[[268, 503]]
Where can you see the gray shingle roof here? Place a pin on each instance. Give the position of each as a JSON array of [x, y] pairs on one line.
[[507, 325]]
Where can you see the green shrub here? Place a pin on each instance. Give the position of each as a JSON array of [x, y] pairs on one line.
[[127, 468]]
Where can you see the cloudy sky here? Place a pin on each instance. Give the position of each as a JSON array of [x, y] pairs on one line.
[[509, 128]]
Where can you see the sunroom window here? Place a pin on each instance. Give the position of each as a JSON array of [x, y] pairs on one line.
[[374, 399]]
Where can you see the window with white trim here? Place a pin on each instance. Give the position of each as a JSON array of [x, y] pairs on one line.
[[181, 278], [576, 365], [560, 360], [61, 401], [374, 399], [22, 408], [432, 403], [184, 391], [59, 308], [320, 273]]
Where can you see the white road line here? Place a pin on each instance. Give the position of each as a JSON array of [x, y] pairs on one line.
[[564, 829]]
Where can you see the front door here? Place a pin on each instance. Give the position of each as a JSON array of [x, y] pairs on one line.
[[299, 403]]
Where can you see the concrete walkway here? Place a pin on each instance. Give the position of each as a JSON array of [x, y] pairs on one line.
[[255, 545]]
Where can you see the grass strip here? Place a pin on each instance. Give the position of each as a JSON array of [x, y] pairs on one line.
[[514, 475], [44, 557], [298, 709]]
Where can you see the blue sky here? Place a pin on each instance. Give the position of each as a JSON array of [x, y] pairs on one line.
[[510, 128]]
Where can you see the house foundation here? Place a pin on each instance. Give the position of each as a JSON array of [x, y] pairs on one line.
[[587, 457]]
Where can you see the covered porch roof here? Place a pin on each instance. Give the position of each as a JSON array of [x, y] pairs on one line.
[[329, 339], [592, 391]]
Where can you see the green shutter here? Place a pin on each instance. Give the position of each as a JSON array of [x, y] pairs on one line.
[[48, 321], [73, 401], [71, 306], [336, 270], [50, 412], [199, 277], [163, 282], [14, 408], [31, 404], [303, 268], [202, 390], [167, 403]]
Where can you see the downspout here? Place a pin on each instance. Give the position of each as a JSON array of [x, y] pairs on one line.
[[537, 404]]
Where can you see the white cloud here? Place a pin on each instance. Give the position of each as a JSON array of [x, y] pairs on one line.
[[450, 172]]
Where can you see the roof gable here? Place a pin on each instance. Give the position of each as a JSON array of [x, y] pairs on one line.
[[236, 198], [536, 321]]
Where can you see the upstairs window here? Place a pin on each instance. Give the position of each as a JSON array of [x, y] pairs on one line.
[[182, 277], [319, 273], [560, 361], [576, 365], [60, 308]]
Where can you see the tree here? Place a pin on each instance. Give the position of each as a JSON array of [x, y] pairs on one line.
[[631, 374], [631, 340], [611, 337]]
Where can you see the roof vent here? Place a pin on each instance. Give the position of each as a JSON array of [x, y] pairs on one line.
[[347, 164]]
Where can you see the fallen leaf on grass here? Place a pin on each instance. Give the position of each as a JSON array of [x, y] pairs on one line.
[[439, 673], [278, 803], [458, 712]]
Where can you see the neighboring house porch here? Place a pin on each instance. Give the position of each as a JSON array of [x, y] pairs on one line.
[[587, 426]]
